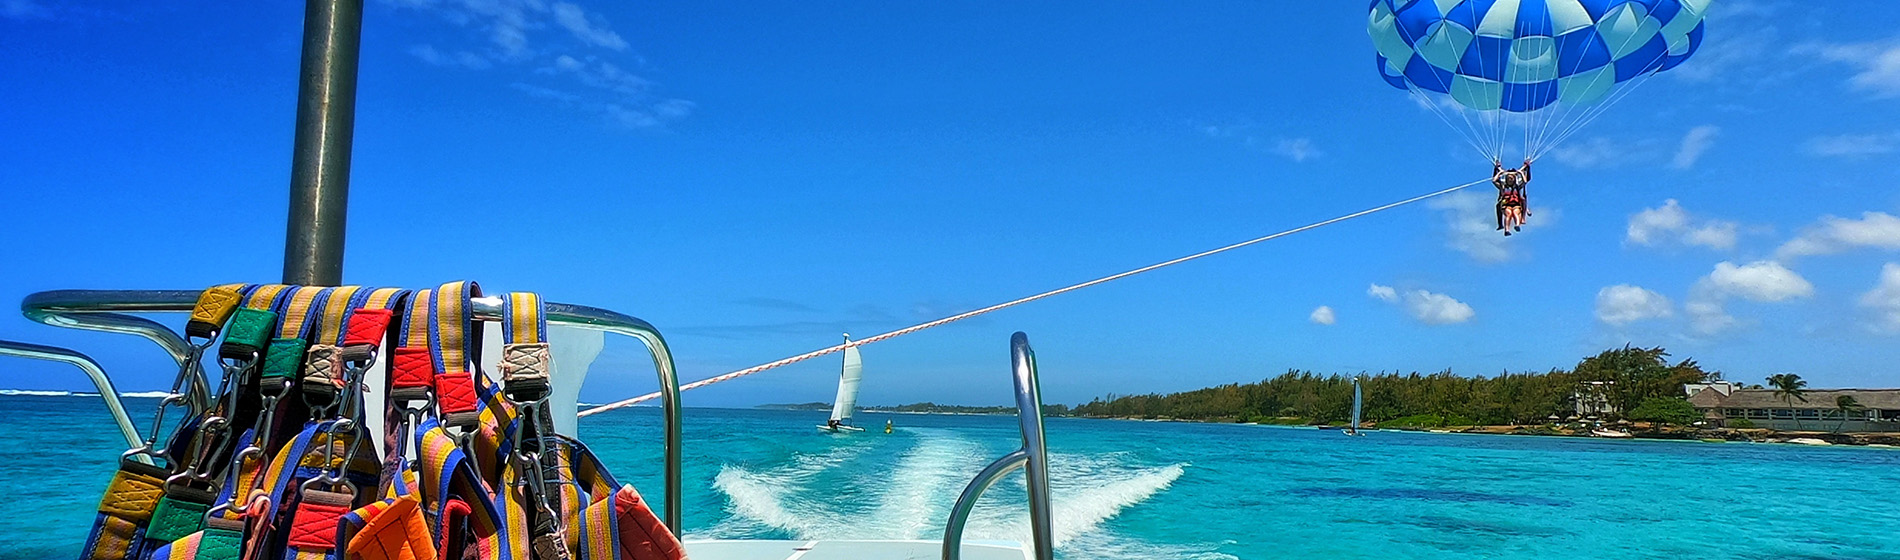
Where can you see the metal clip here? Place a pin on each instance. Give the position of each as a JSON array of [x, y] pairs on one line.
[[177, 396]]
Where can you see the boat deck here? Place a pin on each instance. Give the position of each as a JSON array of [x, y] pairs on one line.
[[849, 550]]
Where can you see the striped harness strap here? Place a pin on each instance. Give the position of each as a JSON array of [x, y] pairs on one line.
[[127, 507], [454, 342], [531, 493], [194, 484]]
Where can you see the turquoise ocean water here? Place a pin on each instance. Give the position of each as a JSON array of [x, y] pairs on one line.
[[1128, 489]]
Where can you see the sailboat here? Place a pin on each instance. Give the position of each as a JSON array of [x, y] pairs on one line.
[[1358, 402], [847, 401]]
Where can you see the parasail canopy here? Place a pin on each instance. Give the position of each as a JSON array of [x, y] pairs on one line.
[[1544, 68]]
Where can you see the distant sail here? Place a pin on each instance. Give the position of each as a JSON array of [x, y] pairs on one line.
[[847, 400], [1356, 402]]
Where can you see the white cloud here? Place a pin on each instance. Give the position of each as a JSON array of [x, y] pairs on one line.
[[1470, 220], [23, 9], [1877, 230], [1382, 293], [1297, 149], [464, 59], [1437, 309], [1428, 307], [1876, 64], [1762, 281], [524, 36], [1884, 299], [1322, 315], [1759, 281], [589, 29], [1853, 146], [1669, 224], [1708, 317], [1694, 144], [1623, 304]]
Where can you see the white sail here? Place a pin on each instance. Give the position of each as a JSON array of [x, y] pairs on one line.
[[847, 400], [1356, 401]]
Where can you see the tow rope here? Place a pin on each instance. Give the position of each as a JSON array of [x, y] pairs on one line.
[[282, 465], [1012, 303]]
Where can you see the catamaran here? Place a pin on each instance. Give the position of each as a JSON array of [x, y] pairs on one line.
[[847, 401]]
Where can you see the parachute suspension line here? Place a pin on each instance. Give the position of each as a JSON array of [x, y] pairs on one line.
[[1601, 108], [1498, 126], [1013, 303], [1589, 113], [1467, 132]]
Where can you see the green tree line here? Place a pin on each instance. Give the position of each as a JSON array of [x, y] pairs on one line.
[[1629, 376]]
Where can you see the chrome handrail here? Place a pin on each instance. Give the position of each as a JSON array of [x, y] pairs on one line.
[[1033, 458], [99, 379], [103, 310], [44, 307]]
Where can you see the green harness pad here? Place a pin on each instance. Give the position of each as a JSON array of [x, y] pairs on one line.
[[177, 516], [284, 358]]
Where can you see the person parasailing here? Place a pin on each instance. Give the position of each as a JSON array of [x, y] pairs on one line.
[[1513, 205]]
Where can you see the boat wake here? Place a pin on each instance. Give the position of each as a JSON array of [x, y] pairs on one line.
[[834, 495], [762, 499]]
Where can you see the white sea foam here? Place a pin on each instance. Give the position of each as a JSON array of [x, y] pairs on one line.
[[33, 393], [918, 489], [922, 486], [1085, 490], [760, 499]]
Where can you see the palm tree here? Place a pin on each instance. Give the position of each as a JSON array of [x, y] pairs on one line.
[[1846, 405], [1790, 388]]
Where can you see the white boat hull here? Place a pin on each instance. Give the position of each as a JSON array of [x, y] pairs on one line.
[[837, 429]]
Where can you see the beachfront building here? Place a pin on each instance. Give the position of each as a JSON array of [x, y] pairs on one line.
[[1592, 402], [1879, 409]]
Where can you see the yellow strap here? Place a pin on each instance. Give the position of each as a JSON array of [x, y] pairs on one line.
[[451, 300], [215, 305], [416, 335], [265, 295], [382, 298], [525, 308], [290, 325], [330, 325]]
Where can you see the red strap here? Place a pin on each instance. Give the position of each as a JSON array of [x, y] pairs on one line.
[[367, 326], [411, 368], [455, 510], [315, 523], [455, 392]]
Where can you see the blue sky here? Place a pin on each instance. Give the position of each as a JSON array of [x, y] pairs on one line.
[[756, 177]]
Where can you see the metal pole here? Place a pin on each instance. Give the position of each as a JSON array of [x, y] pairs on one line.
[[320, 161]]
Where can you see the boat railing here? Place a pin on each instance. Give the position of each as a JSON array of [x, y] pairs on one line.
[[107, 310], [91, 367], [1032, 458]]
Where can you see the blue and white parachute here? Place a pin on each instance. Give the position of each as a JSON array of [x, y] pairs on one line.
[[1545, 66]]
